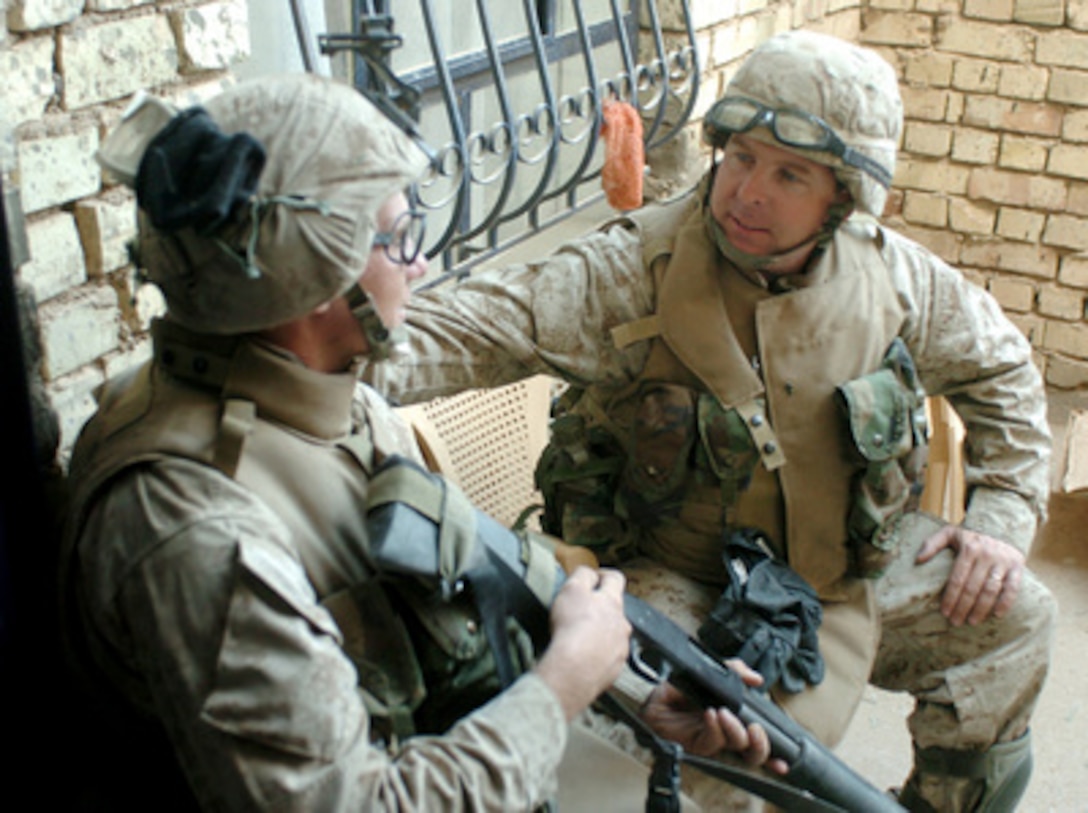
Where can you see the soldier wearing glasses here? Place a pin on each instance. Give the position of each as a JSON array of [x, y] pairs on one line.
[[744, 430], [219, 596]]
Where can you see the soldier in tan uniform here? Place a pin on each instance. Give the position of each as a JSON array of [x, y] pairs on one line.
[[752, 359], [217, 575]]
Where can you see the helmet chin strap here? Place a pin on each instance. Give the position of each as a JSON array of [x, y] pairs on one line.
[[384, 342]]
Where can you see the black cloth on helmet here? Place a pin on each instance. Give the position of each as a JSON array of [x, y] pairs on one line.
[[767, 616], [194, 175]]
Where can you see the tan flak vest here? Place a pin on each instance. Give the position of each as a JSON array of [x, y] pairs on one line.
[[807, 341], [301, 443]]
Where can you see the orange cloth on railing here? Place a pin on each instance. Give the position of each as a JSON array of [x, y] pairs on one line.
[[624, 155]]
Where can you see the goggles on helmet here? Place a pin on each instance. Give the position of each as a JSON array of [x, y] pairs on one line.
[[792, 127], [404, 241]]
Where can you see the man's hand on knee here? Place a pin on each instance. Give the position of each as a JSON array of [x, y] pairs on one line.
[[985, 578]]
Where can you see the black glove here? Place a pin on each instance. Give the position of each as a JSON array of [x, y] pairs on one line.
[[767, 616]]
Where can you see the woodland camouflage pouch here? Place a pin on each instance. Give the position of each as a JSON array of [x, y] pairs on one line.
[[886, 422]]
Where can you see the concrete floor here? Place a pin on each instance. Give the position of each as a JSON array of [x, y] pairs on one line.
[[877, 744]]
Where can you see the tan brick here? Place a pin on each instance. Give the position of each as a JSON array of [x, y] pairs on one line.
[[967, 217], [1068, 87], [1021, 258], [974, 146], [988, 9], [58, 169], [891, 5], [114, 59], [1067, 337], [1066, 231], [1076, 16], [147, 304], [925, 209], [1062, 48], [1074, 271], [1020, 224], [976, 75], [1068, 160], [1061, 303], [72, 397], [1013, 294], [909, 30], [34, 15], [989, 40], [1028, 154], [1016, 189], [932, 140], [941, 242], [1032, 326], [1039, 12], [931, 176], [26, 74], [105, 226], [973, 275], [1075, 126], [937, 6], [78, 328], [1066, 373], [931, 70], [212, 36], [928, 104], [56, 261], [1032, 118], [1023, 82], [1078, 199], [703, 15], [116, 5]]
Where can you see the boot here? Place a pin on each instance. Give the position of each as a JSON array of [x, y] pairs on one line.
[[949, 781]]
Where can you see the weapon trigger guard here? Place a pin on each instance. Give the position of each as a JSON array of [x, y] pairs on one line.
[[641, 668]]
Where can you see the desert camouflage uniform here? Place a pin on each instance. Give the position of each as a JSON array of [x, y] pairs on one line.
[[562, 316], [213, 578]]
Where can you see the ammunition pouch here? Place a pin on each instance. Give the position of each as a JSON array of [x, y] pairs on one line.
[[885, 418], [577, 475], [471, 625], [595, 485]]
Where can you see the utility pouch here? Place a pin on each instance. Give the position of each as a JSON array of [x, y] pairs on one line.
[[662, 439], [577, 475], [427, 543], [885, 418]]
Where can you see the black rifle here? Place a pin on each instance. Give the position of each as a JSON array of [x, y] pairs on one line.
[[404, 523]]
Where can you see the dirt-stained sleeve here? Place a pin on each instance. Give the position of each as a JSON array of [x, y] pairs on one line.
[[221, 637], [553, 316], [968, 350]]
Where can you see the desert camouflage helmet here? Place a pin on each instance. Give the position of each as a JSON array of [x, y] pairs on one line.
[[303, 237], [823, 98]]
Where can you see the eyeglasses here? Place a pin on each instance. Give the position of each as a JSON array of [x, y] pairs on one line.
[[404, 241], [792, 127]]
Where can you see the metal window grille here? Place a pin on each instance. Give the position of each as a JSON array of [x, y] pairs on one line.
[[507, 95]]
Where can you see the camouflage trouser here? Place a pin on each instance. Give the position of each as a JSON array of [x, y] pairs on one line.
[[974, 685]]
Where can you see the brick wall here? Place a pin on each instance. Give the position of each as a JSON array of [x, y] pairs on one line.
[[68, 68], [993, 173]]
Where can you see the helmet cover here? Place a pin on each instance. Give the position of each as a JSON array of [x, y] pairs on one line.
[[332, 160], [851, 89]]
